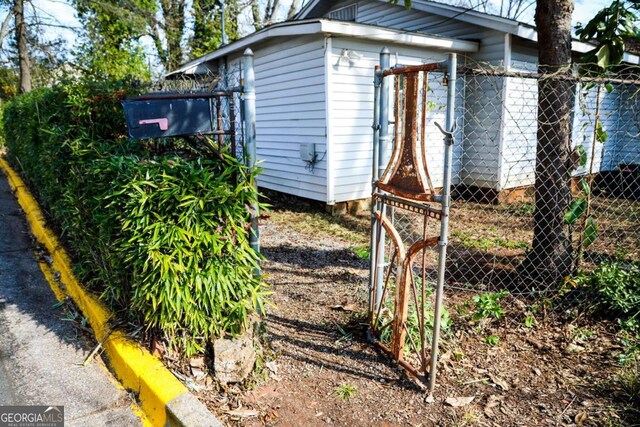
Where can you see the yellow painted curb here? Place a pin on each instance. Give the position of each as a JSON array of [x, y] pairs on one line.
[[135, 367]]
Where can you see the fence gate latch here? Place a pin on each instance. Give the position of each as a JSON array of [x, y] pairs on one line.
[[448, 136]]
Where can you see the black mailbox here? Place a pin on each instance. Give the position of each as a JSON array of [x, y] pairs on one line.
[[161, 115]]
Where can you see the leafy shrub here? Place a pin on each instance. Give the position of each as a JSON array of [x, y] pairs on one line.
[[487, 305], [160, 234], [616, 285]]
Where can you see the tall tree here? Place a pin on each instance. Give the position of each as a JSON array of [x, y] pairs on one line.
[[111, 31], [5, 27], [21, 41], [550, 258], [173, 27], [207, 28], [266, 17]]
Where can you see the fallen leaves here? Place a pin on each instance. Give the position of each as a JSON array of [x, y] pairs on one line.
[[492, 402], [499, 382], [457, 402], [581, 418]]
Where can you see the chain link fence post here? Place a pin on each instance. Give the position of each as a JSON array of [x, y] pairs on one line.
[[452, 65]]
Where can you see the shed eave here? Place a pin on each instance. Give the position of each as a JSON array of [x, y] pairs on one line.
[[340, 28], [337, 28]]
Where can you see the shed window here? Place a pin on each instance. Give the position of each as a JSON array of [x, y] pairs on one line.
[[345, 13]]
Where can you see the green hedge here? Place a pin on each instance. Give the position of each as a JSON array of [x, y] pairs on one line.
[[158, 231]]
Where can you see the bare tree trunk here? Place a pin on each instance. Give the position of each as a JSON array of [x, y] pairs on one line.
[[173, 12], [23, 52], [295, 5], [551, 256], [4, 28], [255, 13]]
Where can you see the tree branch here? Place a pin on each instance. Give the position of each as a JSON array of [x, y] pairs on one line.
[[4, 29]]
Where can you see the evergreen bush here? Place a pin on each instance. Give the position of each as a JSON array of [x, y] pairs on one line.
[[159, 233]]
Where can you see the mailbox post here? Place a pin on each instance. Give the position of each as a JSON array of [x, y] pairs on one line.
[[249, 86]]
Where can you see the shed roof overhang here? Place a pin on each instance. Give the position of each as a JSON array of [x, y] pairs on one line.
[[316, 8], [335, 28]]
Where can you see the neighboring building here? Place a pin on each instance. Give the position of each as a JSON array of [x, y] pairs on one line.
[[314, 86]]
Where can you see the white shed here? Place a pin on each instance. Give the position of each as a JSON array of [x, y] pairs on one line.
[[314, 86]]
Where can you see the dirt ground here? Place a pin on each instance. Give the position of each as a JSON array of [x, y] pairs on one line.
[[319, 369]]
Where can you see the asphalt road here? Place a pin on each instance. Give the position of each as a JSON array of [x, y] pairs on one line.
[[41, 353]]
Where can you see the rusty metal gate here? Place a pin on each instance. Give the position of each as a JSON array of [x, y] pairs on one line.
[[409, 216]]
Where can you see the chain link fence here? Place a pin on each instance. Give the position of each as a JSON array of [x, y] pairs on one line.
[[588, 208]]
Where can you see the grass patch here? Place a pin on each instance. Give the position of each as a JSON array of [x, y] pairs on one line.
[[309, 218], [345, 391]]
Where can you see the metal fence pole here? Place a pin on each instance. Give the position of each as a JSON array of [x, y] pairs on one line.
[[444, 227], [384, 149], [377, 77], [249, 110]]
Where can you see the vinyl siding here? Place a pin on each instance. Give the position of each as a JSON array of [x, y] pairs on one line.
[[627, 149], [482, 124], [520, 133], [290, 110]]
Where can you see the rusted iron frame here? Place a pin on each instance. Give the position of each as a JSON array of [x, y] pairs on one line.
[[407, 147], [423, 145], [412, 69], [401, 303], [409, 205], [423, 359], [420, 313], [403, 363], [395, 338], [402, 295]]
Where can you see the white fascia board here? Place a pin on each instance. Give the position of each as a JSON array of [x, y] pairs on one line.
[[369, 32], [527, 32]]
